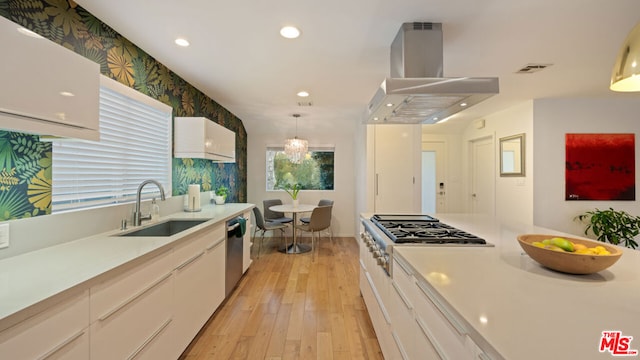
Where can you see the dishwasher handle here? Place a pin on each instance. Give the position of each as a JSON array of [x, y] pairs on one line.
[[233, 227]]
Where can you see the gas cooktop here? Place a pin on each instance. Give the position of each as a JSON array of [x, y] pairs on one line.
[[422, 229]]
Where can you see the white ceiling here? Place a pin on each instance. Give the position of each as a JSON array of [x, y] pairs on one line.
[[238, 58]]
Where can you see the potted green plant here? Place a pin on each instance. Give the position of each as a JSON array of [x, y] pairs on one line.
[[221, 194], [293, 191], [615, 227]]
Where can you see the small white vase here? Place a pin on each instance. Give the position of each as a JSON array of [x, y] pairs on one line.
[[219, 200], [296, 202]]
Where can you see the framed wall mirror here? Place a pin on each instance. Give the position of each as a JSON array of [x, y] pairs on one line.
[[512, 155]]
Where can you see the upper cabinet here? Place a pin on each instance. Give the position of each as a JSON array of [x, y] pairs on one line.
[[201, 138], [46, 89]]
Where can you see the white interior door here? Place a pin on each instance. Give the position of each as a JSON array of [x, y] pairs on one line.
[[434, 184], [483, 176]]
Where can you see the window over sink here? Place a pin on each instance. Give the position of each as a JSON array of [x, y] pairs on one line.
[[135, 145]]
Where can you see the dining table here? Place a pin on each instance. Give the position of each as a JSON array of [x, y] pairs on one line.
[[294, 247]]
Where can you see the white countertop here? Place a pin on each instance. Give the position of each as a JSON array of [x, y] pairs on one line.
[[529, 312], [27, 280]]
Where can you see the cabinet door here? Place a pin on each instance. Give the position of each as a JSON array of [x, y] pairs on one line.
[[191, 275], [131, 313], [46, 88], [60, 332], [246, 245], [443, 330], [397, 168], [215, 259]]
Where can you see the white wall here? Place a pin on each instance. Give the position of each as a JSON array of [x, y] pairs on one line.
[[343, 219], [553, 118], [514, 195]]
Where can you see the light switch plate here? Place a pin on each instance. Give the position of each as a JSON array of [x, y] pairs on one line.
[[4, 235]]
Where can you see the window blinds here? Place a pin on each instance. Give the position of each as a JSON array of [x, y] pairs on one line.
[[135, 145]]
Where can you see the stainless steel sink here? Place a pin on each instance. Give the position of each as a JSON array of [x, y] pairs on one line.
[[167, 228]]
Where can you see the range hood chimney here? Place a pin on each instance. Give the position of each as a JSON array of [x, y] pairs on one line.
[[416, 92]]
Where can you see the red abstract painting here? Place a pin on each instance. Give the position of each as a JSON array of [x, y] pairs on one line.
[[600, 167]]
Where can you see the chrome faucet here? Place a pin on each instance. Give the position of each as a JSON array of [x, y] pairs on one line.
[[137, 213]]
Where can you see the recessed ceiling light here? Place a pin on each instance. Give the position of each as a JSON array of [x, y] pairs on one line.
[[67, 93], [290, 32], [463, 104], [182, 42], [303, 94], [389, 105]]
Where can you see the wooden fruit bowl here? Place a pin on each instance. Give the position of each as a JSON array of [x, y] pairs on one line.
[[568, 262]]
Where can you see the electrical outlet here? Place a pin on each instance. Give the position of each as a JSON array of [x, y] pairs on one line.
[[4, 235]]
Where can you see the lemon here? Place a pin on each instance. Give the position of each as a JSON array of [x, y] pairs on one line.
[[537, 244]]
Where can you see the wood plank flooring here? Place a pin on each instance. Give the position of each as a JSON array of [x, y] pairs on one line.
[[293, 307]]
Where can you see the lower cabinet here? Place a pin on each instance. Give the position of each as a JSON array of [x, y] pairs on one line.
[[131, 314], [199, 283], [424, 327], [246, 244], [59, 332], [151, 309]]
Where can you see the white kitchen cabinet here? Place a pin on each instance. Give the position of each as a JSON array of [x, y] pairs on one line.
[[59, 332], [131, 313], [396, 162], [414, 340], [198, 283], [247, 244], [436, 330], [201, 138], [215, 258], [46, 89]]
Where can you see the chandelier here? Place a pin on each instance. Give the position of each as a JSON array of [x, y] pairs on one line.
[[295, 148]]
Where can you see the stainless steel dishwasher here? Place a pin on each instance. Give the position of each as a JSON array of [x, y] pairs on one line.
[[234, 255]]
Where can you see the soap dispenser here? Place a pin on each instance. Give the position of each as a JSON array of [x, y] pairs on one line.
[[155, 210]]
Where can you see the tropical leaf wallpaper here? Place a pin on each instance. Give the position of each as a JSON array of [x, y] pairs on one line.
[[25, 162]]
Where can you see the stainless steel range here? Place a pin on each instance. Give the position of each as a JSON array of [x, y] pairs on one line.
[[382, 232]]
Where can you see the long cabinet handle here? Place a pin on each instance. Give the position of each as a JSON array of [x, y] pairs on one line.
[[399, 345], [63, 344], [431, 340], [218, 242], [191, 260], [447, 315], [403, 266], [134, 297], [401, 295], [149, 339]]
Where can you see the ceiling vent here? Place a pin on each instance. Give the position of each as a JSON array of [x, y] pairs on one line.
[[305, 103], [532, 68]]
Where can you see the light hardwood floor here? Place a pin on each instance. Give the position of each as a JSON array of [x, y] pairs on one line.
[[293, 307]]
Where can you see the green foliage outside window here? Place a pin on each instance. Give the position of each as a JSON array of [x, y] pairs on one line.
[[315, 172]]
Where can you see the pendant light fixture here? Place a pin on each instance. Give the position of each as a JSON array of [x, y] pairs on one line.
[[295, 148], [626, 72]]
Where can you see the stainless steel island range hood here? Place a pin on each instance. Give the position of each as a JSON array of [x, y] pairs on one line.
[[416, 92]]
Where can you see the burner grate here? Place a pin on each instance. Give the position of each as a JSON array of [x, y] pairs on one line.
[[426, 232]]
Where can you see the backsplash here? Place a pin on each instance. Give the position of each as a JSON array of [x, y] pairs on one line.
[[25, 162]]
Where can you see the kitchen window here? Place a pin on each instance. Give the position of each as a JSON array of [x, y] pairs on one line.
[[135, 145], [315, 172]]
